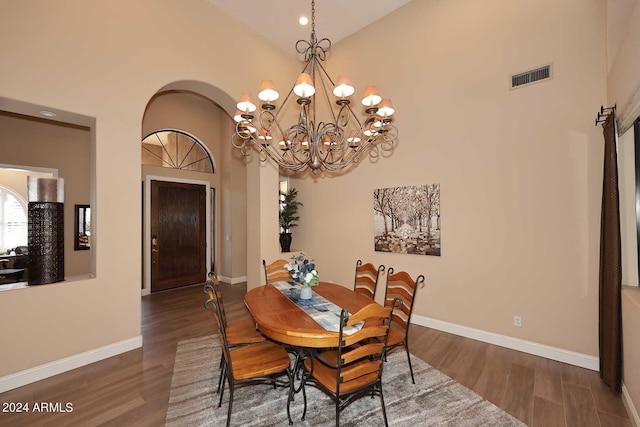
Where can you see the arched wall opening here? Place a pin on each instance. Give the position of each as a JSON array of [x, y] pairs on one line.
[[56, 144], [202, 111]]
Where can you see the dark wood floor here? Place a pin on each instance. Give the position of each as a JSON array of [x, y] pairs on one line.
[[133, 388]]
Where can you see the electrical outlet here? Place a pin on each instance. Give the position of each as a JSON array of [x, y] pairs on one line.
[[517, 321]]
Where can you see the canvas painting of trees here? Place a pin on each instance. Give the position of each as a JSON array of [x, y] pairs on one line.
[[407, 219]]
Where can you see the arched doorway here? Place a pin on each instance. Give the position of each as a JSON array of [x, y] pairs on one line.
[[186, 141]]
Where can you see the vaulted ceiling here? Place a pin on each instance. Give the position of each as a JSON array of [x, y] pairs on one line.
[[277, 20]]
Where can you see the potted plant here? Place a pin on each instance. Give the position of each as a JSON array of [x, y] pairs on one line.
[[288, 217]]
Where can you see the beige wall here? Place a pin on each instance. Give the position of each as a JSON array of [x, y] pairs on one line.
[[519, 170], [42, 144], [106, 61]]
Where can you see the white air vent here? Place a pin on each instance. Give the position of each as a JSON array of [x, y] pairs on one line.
[[532, 76]]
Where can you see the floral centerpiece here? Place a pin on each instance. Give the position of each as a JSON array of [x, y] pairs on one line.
[[304, 273]]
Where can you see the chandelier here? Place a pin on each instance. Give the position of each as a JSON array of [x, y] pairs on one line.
[[311, 143]]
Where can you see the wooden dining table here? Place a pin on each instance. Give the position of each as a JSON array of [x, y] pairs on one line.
[[279, 318]]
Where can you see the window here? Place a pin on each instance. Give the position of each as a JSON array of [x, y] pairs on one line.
[[628, 146], [13, 220], [176, 149]]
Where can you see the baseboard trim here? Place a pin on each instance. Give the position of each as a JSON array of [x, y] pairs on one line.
[[233, 280], [47, 370], [630, 407], [553, 353]]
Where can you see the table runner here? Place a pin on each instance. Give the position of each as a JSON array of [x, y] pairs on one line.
[[320, 309]]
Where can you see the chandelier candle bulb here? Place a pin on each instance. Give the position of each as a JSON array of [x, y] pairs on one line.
[[249, 126], [370, 130], [304, 86], [328, 140], [245, 104], [265, 135], [344, 88], [353, 137], [371, 97], [385, 109], [238, 116], [283, 143], [268, 92]]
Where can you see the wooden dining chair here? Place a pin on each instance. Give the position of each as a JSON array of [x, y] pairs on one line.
[[366, 281], [263, 362], [238, 334], [276, 271], [354, 369], [400, 286]]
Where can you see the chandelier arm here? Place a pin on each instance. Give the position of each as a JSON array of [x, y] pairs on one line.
[[373, 152], [339, 154], [244, 146], [266, 119], [297, 151], [270, 152], [366, 145], [237, 141], [388, 140], [281, 161], [292, 163], [344, 116]]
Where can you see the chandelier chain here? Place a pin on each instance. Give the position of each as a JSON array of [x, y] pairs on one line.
[[313, 17]]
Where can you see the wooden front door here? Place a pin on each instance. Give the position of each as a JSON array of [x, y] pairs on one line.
[[178, 234]]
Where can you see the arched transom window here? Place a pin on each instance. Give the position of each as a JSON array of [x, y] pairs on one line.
[[175, 149]]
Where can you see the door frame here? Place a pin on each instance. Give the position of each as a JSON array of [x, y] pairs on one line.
[[146, 247]]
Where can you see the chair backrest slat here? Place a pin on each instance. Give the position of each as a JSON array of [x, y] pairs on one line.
[[352, 372], [276, 271], [366, 280], [401, 286]]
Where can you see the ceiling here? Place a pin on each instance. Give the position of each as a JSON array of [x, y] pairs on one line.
[[277, 20]]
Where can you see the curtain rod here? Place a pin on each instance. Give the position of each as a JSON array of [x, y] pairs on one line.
[[604, 112]]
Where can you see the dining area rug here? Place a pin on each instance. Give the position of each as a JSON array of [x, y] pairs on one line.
[[434, 400]]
